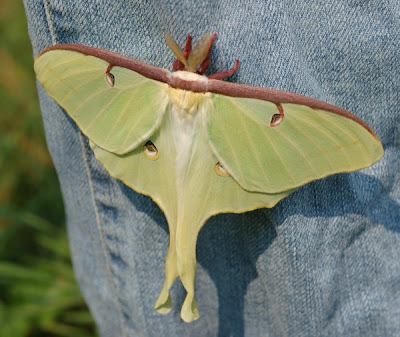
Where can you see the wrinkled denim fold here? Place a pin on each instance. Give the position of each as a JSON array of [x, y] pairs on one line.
[[326, 260]]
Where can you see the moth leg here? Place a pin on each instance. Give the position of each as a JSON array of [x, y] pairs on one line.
[[221, 75], [207, 61], [188, 47], [177, 65]]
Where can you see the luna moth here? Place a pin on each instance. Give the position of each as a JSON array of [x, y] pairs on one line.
[[199, 146]]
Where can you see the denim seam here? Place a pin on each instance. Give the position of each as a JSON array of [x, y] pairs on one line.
[[55, 40], [50, 22], [101, 233]]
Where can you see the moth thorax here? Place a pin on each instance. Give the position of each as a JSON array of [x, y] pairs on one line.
[[186, 101]]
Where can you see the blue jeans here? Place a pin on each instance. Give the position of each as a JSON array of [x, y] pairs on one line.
[[326, 260]]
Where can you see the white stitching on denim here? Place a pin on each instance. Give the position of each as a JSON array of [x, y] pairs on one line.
[[54, 39], [49, 17], [103, 241]]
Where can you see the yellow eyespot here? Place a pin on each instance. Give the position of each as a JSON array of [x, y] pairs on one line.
[[110, 79], [150, 151], [276, 120], [221, 170], [109, 76]]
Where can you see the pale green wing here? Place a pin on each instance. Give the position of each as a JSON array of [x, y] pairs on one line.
[[117, 118], [184, 182], [308, 144]]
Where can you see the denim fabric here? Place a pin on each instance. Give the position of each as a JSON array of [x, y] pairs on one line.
[[323, 262]]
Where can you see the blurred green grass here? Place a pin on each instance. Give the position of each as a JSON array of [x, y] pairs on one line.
[[38, 292]]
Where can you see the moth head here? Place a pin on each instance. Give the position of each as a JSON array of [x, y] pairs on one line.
[[196, 59], [191, 59]]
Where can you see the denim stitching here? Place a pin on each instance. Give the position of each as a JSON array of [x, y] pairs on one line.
[[49, 17], [103, 242], [55, 40]]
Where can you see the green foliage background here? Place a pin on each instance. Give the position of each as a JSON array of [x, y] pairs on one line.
[[38, 292]]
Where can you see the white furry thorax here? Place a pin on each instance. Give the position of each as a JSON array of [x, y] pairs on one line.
[[187, 112], [185, 101]]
